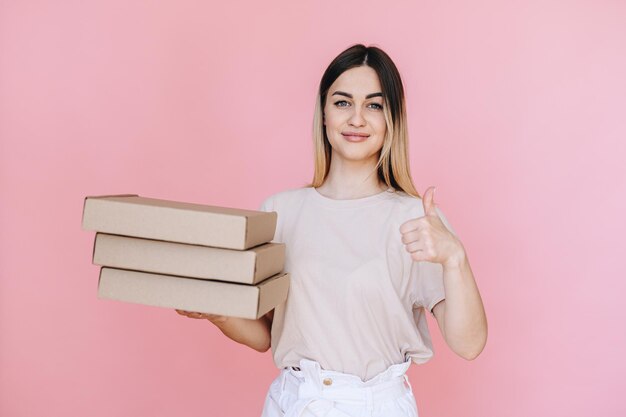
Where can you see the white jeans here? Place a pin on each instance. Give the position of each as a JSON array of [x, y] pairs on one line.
[[315, 392]]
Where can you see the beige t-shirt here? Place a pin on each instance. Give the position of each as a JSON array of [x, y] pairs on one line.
[[356, 298]]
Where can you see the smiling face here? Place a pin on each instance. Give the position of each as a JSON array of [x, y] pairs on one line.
[[353, 115]]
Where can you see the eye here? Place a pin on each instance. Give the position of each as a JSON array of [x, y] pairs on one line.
[[378, 106], [340, 101]]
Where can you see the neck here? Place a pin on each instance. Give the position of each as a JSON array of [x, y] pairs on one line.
[[352, 179]]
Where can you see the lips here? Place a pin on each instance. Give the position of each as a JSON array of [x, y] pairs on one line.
[[355, 136]]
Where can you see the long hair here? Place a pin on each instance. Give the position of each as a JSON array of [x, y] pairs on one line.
[[393, 163]]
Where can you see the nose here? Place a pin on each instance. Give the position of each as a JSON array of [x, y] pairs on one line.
[[356, 118]]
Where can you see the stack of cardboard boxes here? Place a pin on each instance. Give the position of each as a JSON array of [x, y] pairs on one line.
[[187, 256]]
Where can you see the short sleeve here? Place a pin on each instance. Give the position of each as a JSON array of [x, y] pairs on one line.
[[429, 277], [267, 204], [430, 289], [445, 221]]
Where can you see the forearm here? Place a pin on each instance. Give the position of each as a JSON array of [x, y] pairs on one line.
[[252, 333], [465, 322]]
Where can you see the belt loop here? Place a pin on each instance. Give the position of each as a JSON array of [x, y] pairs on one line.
[[406, 378], [284, 379]]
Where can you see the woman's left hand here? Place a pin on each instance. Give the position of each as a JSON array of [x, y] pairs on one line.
[[426, 238]]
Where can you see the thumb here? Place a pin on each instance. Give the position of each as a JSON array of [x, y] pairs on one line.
[[429, 204]]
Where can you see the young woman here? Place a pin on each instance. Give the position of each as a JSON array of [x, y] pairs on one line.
[[367, 258]]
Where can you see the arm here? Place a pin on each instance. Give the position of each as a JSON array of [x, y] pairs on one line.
[[252, 333], [461, 316]]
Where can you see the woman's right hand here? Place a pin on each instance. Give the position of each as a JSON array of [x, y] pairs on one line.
[[253, 333], [213, 318]]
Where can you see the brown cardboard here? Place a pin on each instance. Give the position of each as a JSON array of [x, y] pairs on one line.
[[195, 261], [199, 295], [199, 224]]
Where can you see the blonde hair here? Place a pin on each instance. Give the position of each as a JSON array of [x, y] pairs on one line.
[[393, 164]]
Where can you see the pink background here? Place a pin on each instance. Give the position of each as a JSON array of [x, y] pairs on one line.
[[517, 113]]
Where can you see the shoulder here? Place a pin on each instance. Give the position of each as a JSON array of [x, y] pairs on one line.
[[412, 207], [283, 198], [407, 203]]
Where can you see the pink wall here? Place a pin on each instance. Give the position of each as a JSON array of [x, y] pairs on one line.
[[517, 115]]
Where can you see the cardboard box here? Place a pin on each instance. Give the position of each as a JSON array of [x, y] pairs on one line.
[[195, 261], [198, 224], [204, 296]]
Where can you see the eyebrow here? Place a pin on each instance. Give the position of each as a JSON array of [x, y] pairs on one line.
[[350, 95]]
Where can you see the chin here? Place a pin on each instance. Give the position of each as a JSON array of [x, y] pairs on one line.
[[358, 156]]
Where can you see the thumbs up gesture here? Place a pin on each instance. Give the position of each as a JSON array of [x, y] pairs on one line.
[[426, 238]]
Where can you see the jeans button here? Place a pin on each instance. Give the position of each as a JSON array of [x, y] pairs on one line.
[[327, 381]]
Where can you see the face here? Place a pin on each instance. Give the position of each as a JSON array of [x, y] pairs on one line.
[[353, 115]]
